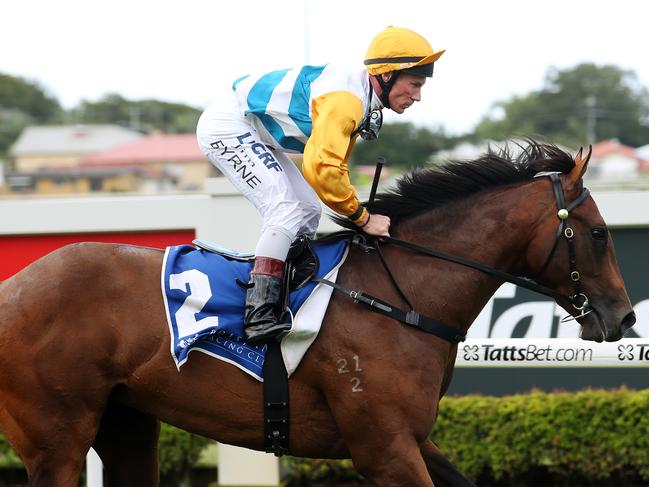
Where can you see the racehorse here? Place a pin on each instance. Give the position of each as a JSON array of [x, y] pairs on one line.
[[85, 347]]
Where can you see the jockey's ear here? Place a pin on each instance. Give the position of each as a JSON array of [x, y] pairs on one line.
[[387, 76], [581, 163]]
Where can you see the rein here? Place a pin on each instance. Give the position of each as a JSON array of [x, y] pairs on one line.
[[519, 281], [562, 214], [445, 331]]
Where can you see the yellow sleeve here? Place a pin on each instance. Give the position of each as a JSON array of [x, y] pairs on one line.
[[335, 116]]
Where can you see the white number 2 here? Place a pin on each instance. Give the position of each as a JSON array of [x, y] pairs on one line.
[[199, 293]]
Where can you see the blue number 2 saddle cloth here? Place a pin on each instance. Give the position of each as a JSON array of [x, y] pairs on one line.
[[204, 306]]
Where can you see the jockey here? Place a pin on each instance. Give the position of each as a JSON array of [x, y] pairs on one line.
[[318, 111]]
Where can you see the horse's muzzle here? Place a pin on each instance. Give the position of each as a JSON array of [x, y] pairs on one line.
[[618, 332], [607, 324], [627, 322]]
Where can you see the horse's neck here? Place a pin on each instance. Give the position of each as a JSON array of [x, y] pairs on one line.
[[493, 228]]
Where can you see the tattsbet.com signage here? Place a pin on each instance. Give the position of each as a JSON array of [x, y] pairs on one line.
[[552, 352]]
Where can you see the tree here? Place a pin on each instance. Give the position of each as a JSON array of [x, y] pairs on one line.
[[402, 144], [583, 104], [144, 115], [28, 97], [23, 102], [12, 123]]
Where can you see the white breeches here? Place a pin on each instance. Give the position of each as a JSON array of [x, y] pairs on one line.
[[266, 177]]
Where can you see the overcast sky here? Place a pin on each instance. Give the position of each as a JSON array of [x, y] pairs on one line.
[[187, 51]]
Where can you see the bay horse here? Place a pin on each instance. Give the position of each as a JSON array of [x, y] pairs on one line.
[[85, 348]]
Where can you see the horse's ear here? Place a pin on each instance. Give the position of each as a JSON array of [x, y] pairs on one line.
[[581, 163]]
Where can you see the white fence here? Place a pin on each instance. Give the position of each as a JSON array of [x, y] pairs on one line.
[[552, 352]]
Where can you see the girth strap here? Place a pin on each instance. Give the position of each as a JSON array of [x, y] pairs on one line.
[[411, 318], [276, 399], [276, 403]]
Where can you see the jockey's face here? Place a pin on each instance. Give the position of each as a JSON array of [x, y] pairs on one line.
[[405, 91]]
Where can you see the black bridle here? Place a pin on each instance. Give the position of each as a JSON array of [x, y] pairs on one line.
[[564, 229], [578, 300]]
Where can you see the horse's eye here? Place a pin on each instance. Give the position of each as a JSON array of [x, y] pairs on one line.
[[599, 233]]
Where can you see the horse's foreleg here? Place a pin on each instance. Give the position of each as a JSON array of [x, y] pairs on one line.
[[127, 444], [440, 469], [397, 463]]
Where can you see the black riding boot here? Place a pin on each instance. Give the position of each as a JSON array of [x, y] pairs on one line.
[[264, 301]]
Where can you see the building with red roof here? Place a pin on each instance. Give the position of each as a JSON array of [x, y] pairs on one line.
[[176, 155], [643, 153], [612, 161], [55, 146]]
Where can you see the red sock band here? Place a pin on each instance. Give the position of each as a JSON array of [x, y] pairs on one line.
[[269, 266]]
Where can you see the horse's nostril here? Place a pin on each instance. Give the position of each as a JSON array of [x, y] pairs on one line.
[[628, 321]]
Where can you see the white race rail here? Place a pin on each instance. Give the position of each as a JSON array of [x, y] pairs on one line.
[[552, 352]]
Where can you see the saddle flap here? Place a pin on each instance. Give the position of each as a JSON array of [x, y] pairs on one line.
[[224, 251]]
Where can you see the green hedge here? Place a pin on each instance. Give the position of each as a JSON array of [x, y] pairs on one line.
[[588, 436]]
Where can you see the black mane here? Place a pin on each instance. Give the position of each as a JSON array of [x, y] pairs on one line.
[[425, 189]]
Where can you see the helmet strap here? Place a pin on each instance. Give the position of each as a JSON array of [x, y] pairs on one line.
[[386, 87]]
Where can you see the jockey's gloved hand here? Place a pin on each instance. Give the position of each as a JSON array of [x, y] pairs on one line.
[[377, 225]]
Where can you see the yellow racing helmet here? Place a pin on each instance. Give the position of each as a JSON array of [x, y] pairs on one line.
[[399, 49]]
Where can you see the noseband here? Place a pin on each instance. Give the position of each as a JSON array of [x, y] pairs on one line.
[[565, 230]]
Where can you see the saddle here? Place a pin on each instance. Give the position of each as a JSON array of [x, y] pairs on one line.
[[301, 263]]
